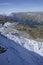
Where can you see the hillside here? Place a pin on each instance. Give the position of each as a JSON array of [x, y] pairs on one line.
[[29, 23], [29, 16], [18, 50], [17, 55], [35, 32], [32, 18]]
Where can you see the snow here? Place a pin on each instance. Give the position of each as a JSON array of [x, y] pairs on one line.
[[20, 50], [29, 44], [7, 24], [17, 55]]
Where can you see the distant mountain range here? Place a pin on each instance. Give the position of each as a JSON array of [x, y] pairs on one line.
[[30, 18]]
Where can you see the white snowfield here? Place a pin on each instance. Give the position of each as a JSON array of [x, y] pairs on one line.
[[21, 51]]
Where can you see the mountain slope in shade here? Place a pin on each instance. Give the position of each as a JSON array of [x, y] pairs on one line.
[[30, 44], [16, 54], [19, 50]]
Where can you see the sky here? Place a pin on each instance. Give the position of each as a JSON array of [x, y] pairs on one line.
[[9, 6]]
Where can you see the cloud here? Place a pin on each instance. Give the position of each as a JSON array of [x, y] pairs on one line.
[[4, 4]]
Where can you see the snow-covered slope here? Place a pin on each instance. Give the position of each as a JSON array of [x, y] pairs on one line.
[[19, 50], [17, 55], [29, 44]]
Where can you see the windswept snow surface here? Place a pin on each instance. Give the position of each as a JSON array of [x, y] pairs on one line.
[[20, 50]]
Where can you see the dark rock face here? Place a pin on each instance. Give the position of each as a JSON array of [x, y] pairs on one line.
[[2, 49]]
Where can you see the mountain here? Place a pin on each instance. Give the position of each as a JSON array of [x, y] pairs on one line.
[[17, 50], [30, 44], [30, 18], [16, 54]]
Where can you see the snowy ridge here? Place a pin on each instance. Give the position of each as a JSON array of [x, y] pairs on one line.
[[16, 54], [14, 35], [19, 50]]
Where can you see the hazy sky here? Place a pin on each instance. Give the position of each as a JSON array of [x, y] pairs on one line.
[[8, 6]]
